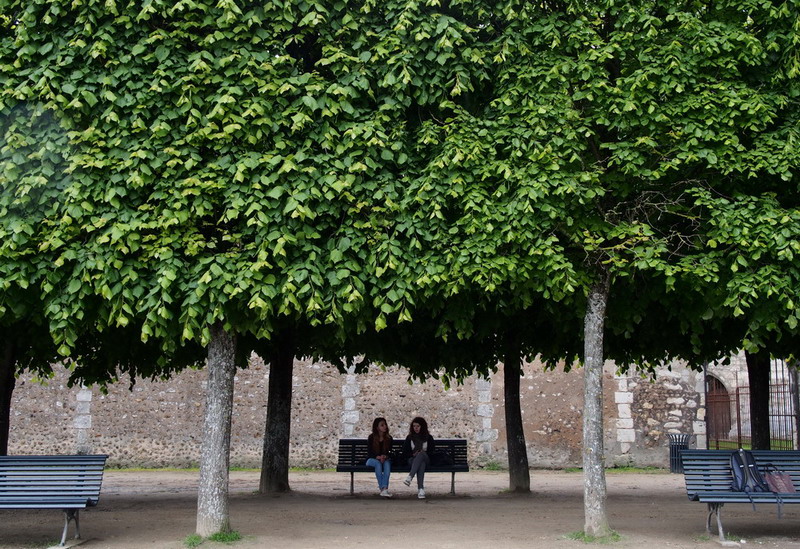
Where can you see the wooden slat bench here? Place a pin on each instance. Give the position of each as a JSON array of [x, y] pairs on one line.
[[353, 457], [708, 479], [69, 483]]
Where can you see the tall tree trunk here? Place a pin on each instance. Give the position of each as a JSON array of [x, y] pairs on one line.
[[8, 362], [758, 368], [519, 476], [275, 458], [594, 482], [212, 493]]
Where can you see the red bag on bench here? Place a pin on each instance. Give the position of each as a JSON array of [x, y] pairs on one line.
[[778, 481]]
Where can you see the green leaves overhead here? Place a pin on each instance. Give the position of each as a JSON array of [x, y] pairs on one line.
[[358, 164]]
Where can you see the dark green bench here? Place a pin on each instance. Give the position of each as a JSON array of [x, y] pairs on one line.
[[69, 483], [353, 457], [708, 479]]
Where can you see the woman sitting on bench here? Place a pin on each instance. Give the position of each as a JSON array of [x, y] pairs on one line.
[[379, 447], [417, 450]]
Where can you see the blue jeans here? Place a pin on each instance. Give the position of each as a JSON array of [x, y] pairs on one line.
[[382, 471]]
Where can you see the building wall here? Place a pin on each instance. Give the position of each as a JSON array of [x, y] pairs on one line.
[[159, 423]]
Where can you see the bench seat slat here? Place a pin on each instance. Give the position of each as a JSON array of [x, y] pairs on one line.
[[48, 503], [49, 490]]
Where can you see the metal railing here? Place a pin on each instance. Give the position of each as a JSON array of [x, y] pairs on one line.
[[728, 412]]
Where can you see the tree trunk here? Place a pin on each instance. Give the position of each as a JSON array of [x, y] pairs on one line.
[[519, 476], [7, 382], [212, 494], [594, 482], [275, 459], [758, 368]]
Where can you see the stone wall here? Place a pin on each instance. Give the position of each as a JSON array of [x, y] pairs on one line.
[[158, 423]]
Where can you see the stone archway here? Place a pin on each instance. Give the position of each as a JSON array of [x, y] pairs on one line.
[[718, 420]]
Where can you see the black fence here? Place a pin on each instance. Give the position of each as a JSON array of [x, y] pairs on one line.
[[728, 411]]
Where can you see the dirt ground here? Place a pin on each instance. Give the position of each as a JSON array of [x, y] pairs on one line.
[[157, 509]]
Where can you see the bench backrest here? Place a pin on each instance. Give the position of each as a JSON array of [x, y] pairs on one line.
[[353, 451], [710, 470], [50, 481]]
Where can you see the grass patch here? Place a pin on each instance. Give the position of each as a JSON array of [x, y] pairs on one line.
[[196, 469], [622, 469], [225, 537], [41, 545], [492, 465], [775, 444], [613, 537], [628, 469], [195, 540], [192, 541], [193, 469]]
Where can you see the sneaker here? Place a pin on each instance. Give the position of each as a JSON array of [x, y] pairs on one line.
[[385, 493], [408, 480], [421, 493]]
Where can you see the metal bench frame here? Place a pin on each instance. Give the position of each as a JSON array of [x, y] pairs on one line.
[[69, 483], [353, 457], [708, 478]]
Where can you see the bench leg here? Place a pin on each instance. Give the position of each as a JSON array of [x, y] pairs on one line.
[[453, 484], [713, 509], [351, 482], [71, 514]]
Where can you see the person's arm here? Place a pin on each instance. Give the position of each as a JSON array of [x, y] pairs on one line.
[[431, 445], [389, 447], [370, 449], [407, 448]]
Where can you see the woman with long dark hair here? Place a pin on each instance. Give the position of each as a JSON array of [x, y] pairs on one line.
[[417, 450], [379, 448]]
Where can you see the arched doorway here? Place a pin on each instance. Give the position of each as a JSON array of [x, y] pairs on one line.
[[718, 405]]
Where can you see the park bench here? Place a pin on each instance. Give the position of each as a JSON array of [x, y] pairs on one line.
[[709, 478], [69, 483], [353, 456]]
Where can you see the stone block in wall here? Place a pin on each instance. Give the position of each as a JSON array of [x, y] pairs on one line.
[[626, 435], [82, 422], [350, 391], [625, 423], [351, 417], [623, 397], [484, 410], [83, 407], [486, 435]]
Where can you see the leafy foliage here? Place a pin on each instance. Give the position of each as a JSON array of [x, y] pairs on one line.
[[342, 167]]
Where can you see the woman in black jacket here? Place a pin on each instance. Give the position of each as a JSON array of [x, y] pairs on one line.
[[417, 450], [379, 448]]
